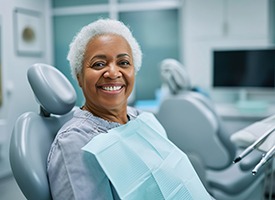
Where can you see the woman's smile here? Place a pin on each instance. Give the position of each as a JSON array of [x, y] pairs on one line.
[[111, 88]]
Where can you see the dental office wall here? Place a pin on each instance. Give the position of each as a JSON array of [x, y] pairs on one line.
[[17, 96]]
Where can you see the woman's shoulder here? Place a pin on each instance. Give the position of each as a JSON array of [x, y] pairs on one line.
[[79, 126]]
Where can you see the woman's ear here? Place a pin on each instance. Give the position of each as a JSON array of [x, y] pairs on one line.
[[79, 80]]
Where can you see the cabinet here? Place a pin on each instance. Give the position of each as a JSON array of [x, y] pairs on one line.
[[203, 18], [247, 18], [216, 24], [212, 19]]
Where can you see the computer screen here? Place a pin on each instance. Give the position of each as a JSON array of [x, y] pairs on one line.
[[246, 68]]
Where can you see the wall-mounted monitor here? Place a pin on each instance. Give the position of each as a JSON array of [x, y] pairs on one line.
[[244, 69]]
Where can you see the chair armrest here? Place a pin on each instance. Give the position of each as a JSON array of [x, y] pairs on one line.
[[251, 160]]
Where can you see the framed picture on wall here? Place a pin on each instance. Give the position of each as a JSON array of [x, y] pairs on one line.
[[28, 32]]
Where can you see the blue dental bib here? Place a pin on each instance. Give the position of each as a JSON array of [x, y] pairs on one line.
[[143, 164]]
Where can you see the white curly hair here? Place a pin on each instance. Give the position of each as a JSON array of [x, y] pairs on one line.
[[101, 26]]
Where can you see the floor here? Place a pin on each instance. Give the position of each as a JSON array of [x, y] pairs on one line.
[[9, 189]]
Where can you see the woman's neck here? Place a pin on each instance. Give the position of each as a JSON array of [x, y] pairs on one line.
[[115, 115]]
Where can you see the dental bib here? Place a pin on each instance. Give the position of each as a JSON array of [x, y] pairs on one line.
[[143, 164]]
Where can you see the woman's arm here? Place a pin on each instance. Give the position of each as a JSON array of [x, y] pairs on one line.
[[74, 174]]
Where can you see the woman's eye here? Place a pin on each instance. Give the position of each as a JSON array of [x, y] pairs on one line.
[[124, 63], [98, 65]]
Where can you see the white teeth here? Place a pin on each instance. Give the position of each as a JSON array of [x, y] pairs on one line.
[[112, 88]]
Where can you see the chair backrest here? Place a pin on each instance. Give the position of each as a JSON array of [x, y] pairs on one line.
[[193, 125], [191, 121], [174, 75], [33, 133]]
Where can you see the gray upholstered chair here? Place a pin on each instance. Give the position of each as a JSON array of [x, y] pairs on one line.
[[193, 125], [33, 133]]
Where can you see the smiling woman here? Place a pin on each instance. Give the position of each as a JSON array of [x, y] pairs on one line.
[[104, 58]]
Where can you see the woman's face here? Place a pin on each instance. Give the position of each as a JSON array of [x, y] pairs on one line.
[[108, 75]]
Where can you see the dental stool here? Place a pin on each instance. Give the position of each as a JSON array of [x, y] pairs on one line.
[[33, 133]]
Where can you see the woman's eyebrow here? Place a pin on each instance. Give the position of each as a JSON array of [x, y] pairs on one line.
[[99, 56], [104, 56], [122, 55]]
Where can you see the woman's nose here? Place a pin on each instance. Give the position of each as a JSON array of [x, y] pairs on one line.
[[113, 72]]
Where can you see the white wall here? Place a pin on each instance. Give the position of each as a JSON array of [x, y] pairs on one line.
[[16, 92]]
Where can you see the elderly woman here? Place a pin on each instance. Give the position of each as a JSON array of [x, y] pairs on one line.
[[104, 58]]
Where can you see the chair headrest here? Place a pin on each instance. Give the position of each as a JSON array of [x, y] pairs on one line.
[[52, 89], [175, 75]]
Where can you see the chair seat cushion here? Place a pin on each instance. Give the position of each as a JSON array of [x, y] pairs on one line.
[[232, 180]]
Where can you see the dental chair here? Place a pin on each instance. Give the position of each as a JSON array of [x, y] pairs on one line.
[[33, 133], [193, 125]]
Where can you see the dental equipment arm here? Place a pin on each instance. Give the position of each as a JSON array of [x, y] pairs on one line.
[[254, 145], [266, 157]]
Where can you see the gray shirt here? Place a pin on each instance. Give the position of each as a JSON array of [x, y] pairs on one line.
[[73, 173]]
